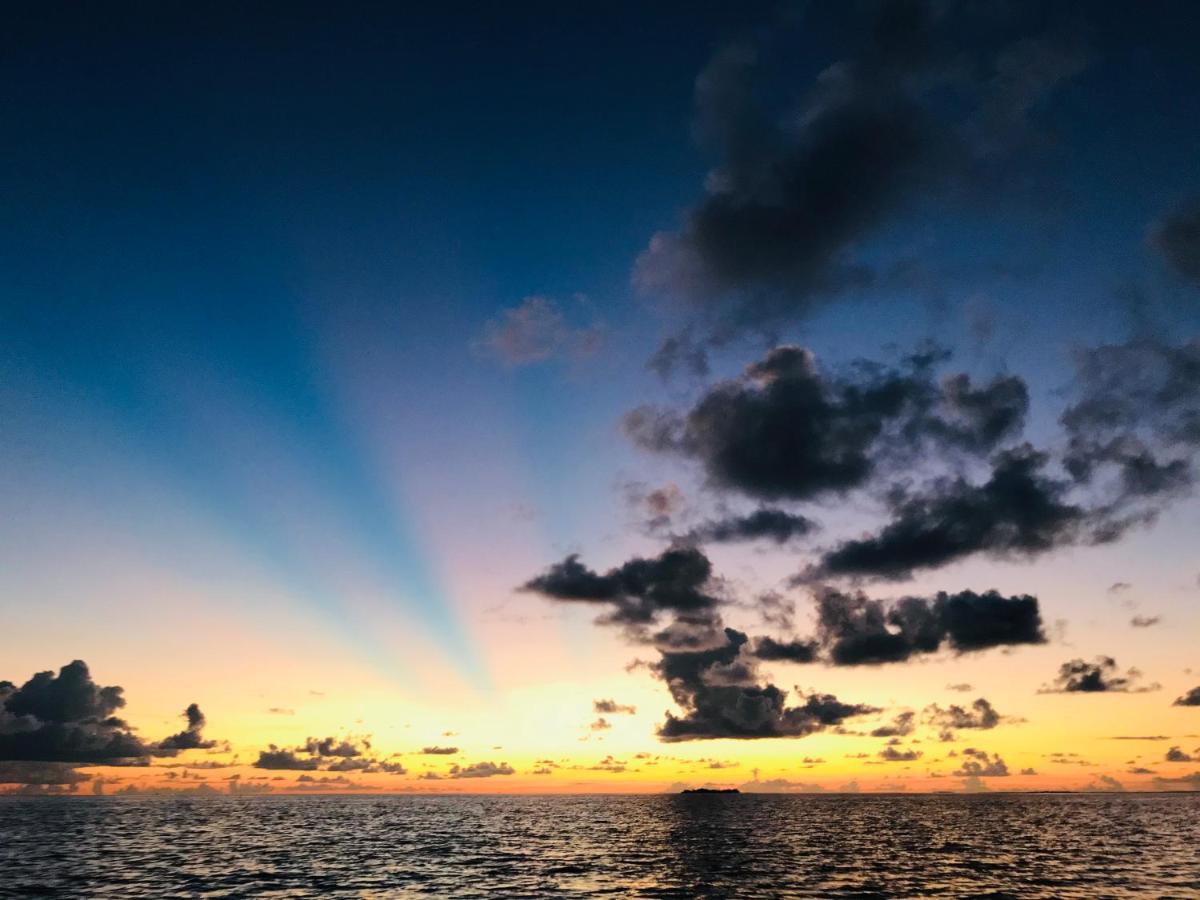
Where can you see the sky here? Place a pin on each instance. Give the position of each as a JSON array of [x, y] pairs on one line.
[[595, 398]]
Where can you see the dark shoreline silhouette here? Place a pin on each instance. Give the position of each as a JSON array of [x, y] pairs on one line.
[[710, 791]]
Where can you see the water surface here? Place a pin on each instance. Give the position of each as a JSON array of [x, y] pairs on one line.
[[619, 846]]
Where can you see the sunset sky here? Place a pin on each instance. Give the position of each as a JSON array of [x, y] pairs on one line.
[[600, 397]]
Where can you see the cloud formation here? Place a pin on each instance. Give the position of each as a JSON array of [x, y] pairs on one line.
[[678, 581], [853, 629], [718, 689], [1191, 698], [612, 707], [191, 738], [1019, 512], [785, 430], [981, 715], [481, 770], [537, 331], [797, 187], [978, 764], [768, 523], [66, 718], [1078, 676]]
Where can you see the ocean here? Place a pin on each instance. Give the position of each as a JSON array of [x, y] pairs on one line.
[[988, 845]]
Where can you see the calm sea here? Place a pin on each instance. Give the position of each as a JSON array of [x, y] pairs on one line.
[[617, 846]]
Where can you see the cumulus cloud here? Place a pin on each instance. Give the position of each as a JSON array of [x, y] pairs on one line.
[[287, 760], [797, 187], [981, 715], [892, 753], [1177, 755], [481, 770], [536, 331], [1191, 698], [718, 689], [902, 725], [853, 629], [191, 738], [66, 718], [678, 580], [1098, 676], [979, 764], [787, 430], [1019, 512], [328, 754]]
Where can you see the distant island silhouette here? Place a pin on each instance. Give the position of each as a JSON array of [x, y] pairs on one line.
[[710, 791]]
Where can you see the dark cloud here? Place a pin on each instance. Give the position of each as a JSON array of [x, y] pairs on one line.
[[1133, 435], [854, 629], [763, 524], [288, 760], [439, 751], [1191, 698], [718, 690], [331, 746], [797, 651], [1177, 238], [612, 707], [601, 724], [66, 718], [329, 754], [785, 430], [1134, 426], [978, 764], [1177, 755], [981, 714], [961, 687], [891, 753], [902, 725], [1019, 512], [677, 581], [191, 738], [40, 773], [923, 106], [1144, 621], [1100, 675], [481, 770]]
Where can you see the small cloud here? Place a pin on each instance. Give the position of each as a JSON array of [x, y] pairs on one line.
[[612, 707], [481, 770], [537, 331], [1102, 675], [1144, 621]]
